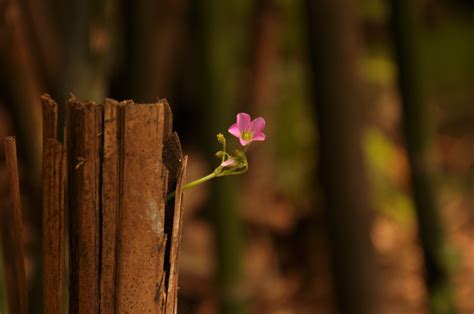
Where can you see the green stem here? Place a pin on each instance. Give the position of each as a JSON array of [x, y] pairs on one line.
[[192, 183]]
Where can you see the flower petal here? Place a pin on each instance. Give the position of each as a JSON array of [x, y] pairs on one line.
[[257, 125], [243, 121], [244, 142], [234, 130], [259, 137], [228, 162]]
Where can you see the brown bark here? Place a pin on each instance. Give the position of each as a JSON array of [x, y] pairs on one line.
[[12, 239]]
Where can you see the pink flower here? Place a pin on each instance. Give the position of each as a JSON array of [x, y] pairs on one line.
[[248, 131]]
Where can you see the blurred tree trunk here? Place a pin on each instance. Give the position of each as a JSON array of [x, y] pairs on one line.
[[259, 86], [418, 125], [334, 39], [44, 33], [220, 37], [23, 86], [154, 34], [89, 37], [20, 75]]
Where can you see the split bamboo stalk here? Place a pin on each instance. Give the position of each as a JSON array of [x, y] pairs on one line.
[[53, 181], [110, 203], [141, 251], [53, 226], [12, 239], [84, 148]]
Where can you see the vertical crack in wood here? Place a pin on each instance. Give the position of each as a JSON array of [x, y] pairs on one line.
[[110, 190]]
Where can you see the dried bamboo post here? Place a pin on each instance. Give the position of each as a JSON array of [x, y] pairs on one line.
[[123, 158], [84, 127], [12, 239], [53, 226]]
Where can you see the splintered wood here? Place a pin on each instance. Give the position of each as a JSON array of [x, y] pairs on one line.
[[118, 163], [53, 209]]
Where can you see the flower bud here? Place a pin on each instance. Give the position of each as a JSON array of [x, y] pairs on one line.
[[221, 138]]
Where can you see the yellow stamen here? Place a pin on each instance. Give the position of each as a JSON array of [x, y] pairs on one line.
[[247, 135]]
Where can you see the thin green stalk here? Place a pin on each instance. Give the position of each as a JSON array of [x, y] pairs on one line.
[[192, 183]]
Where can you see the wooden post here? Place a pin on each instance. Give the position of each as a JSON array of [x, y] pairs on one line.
[[12, 239]]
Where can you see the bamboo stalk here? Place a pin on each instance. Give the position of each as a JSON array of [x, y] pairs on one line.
[[419, 133], [334, 41], [40, 24], [219, 94], [142, 240], [110, 204], [84, 163], [259, 87], [12, 238], [53, 226]]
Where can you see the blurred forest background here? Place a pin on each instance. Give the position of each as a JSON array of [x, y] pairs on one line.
[[362, 198]]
